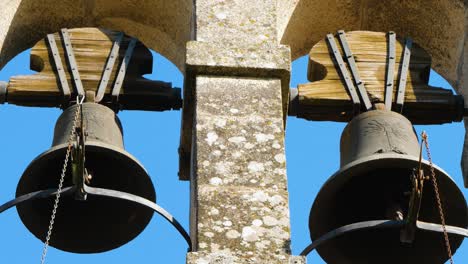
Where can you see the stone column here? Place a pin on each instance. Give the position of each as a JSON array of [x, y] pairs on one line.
[[237, 82]]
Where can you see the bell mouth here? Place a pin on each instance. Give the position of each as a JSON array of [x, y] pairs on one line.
[[98, 224], [377, 187]]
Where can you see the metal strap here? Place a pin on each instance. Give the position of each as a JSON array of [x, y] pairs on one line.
[[390, 71], [455, 230], [403, 75], [114, 53], [379, 224], [366, 225], [59, 66], [354, 70], [344, 73], [123, 70], [72, 62], [66, 191], [36, 195], [142, 201]]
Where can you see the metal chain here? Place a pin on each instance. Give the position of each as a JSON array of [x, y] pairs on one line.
[[436, 190], [62, 178]]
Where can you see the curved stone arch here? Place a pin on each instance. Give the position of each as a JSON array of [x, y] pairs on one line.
[[164, 26], [436, 25]]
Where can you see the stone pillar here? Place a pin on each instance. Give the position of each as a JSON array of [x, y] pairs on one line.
[[236, 94]]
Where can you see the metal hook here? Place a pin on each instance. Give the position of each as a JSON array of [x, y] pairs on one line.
[[80, 100]]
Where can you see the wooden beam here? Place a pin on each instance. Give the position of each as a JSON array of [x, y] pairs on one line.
[[92, 47], [325, 98], [423, 104]]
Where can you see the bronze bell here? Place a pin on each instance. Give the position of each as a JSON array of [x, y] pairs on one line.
[[379, 150], [97, 224]]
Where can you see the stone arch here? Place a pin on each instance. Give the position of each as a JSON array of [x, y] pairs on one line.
[[164, 26], [437, 25]]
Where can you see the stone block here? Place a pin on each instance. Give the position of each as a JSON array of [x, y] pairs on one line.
[[227, 21], [214, 60], [224, 257]]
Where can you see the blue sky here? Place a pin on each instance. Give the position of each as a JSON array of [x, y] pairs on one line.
[[312, 152]]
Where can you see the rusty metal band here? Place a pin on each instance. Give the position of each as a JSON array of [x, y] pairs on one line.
[[59, 66], [114, 53], [389, 80], [123, 70], [72, 62], [403, 75], [354, 70], [380, 224], [344, 73]]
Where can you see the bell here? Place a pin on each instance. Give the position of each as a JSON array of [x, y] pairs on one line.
[[97, 224], [379, 152]]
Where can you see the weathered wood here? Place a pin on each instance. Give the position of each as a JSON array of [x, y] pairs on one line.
[[423, 104], [370, 52], [92, 47], [326, 98]]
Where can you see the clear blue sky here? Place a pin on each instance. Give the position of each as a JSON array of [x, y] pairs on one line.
[[312, 152]]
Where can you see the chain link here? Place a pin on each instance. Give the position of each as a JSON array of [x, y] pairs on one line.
[[62, 178], [436, 190]]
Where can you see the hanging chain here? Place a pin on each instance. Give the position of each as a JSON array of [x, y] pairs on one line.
[[79, 102], [436, 190]]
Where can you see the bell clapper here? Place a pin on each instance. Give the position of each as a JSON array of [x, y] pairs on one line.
[[408, 232], [80, 175], [417, 179], [73, 149]]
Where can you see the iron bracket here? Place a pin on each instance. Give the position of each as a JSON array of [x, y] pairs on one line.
[[403, 75], [72, 62], [345, 74], [354, 70], [114, 53], [123, 70], [60, 70], [389, 80]]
